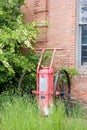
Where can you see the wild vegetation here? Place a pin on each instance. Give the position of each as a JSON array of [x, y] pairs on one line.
[[15, 33], [21, 113]]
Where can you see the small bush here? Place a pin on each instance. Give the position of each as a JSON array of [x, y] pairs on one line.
[[14, 34]]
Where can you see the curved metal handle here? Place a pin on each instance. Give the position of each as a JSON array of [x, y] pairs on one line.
[[43, 50]]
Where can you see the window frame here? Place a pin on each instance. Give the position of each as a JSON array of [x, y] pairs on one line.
[[81, 68]]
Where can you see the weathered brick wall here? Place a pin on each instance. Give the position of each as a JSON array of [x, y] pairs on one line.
[[62, 31], [41, 14], [28, 10], [61, 15], [79, 88]]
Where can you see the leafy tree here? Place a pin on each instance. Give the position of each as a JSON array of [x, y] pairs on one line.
[[14, 33]]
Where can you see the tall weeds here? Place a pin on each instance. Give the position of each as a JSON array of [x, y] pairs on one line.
[[19, 113]]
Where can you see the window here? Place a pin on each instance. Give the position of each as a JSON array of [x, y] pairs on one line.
[[84, 45], [82, 34]]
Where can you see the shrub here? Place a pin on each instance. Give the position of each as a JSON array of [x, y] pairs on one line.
[[14, 34]]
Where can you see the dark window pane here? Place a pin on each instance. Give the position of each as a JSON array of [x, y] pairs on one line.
[[84, 31], [84, 51], [84, 45], [84, 40]]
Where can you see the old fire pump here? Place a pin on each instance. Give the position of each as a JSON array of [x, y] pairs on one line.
[[50, 87]]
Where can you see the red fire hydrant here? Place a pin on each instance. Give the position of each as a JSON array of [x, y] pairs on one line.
[[45, 88]]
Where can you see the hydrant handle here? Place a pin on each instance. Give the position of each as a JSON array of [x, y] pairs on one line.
[[43, 50]]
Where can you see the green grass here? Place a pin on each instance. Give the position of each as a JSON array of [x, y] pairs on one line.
[[19, 113]]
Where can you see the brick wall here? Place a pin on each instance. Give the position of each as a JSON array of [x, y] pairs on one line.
[[41, 14], [79, 88], [62, 30], [61, 15], [28, 10]]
